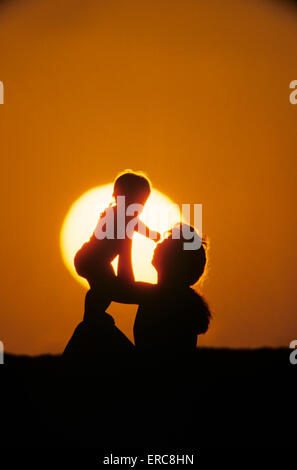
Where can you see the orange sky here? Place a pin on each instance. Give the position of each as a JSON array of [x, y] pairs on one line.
[[196, 94]]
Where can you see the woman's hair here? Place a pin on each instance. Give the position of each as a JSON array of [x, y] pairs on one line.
[[200, 310], [132, 185]]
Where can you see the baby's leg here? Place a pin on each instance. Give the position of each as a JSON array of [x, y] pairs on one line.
[[95, 306], [100, 296], [84, 259]]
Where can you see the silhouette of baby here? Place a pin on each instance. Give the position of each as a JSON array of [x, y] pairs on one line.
[[114, 231]]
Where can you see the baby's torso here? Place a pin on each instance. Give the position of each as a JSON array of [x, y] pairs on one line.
[[113, 234]]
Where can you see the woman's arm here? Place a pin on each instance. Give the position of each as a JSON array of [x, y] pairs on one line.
[[147, 232], [132, 293]]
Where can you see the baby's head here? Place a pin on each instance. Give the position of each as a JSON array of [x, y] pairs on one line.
[[136, 188]]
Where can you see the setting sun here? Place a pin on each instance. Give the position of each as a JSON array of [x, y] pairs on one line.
[[160, 213]]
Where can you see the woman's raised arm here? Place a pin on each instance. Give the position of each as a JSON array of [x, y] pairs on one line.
[[133, 292]]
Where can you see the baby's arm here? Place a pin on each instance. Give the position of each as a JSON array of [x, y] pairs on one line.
[[144, 230]]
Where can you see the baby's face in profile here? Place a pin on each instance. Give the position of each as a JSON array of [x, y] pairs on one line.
[[140, 201]]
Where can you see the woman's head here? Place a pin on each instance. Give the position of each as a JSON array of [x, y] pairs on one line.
[[174, 263]]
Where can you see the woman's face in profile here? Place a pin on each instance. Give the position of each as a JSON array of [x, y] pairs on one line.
[[162, 255], [157, 256]]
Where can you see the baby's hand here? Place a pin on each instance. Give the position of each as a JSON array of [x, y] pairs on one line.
[[158, 237]]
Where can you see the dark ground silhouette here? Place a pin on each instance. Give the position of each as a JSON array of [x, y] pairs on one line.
[[219, 399]]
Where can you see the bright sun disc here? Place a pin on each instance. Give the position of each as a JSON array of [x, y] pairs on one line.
[[160, 214]]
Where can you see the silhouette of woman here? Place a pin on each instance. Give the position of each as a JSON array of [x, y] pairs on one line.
[[170, 314], [169, 321]]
